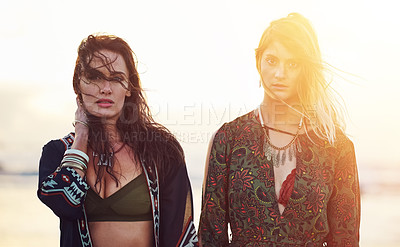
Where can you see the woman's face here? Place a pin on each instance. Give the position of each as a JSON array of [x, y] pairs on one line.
[[280, 72], [104, 89]]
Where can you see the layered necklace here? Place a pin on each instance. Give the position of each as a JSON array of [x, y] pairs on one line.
[[279, 154]]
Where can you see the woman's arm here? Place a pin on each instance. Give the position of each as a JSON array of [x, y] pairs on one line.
[[62, 190], [344, 203], [213, 229]]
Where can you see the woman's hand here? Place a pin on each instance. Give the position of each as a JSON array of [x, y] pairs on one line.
[[81, 131], [80, 118], [81, 128]]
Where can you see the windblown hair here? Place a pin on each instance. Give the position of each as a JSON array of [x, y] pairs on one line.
[[150, 142], [321, 108]]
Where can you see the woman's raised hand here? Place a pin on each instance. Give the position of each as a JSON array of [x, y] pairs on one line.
[[81, 127], [80, 122]]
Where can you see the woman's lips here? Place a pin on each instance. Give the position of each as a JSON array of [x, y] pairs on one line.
[[105, 103], [279, 86]]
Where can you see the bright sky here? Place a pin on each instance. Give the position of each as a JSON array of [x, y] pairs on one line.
[[196, 60]]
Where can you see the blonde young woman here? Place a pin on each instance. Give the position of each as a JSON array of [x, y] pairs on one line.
[[284, 174], [120, 179]]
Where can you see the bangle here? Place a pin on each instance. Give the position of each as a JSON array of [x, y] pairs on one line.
[[81, 122], [75, 160], [75, 157], [73, 165], [72, 157], [78, 153]]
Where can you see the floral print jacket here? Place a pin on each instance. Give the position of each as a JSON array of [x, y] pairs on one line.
[[323, 209]]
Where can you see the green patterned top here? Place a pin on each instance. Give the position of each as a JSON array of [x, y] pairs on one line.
[[323, 209]]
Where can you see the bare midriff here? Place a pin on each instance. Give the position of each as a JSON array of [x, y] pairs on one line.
[[111, 233]]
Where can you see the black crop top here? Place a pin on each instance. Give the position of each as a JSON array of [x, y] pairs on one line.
[[130, 203]]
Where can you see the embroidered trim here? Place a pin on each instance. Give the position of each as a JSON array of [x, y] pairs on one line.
[[152, 182], [68, 140], [83, 228], [189, 237]]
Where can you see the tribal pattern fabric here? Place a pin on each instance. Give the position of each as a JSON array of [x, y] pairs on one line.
[[324, 207], [64, 191]]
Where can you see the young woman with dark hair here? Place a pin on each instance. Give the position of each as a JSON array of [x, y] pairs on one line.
[[120, 179]]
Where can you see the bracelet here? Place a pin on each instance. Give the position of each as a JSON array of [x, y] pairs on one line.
[[73, 165], [70, 157], [78, 153], [74, 160], [77, 157], [81, 122]]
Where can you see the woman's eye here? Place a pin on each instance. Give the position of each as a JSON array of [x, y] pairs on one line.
[[93, 77], [271, 61], [293, 65], [117, 79]]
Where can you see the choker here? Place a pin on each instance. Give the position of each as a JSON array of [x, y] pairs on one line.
[[278, 154]]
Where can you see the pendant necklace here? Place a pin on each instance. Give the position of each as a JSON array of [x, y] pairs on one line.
[[279, 154], [103, 161]]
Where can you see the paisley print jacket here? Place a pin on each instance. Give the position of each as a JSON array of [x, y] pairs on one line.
[[323, 209]]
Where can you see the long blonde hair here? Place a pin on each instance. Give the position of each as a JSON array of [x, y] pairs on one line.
[[321, 108]]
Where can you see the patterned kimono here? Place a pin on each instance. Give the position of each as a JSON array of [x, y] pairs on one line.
[[323, 209], [64, 192]]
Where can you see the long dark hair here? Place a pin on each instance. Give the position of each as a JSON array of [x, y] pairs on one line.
[[151, 142]]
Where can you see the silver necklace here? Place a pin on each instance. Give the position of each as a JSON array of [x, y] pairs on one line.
[[103, 161], [279, 154]]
